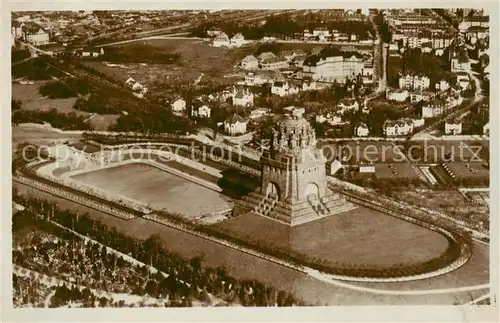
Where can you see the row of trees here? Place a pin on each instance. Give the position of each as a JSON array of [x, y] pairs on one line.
[[64, 89], [65, 121], [180, 271]]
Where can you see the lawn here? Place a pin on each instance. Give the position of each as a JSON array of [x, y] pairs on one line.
[[103, 122], [158, 188], [466, 170], [360, 236]]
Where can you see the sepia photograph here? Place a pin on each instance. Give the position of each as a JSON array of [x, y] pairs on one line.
[[250, 158]]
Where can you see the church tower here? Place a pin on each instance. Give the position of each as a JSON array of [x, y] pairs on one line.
[[293, 177]]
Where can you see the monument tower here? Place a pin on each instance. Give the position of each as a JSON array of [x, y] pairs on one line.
[[293, 177]]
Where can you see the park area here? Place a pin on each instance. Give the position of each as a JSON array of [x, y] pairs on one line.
[[438, 151], [360, 237], [158, 188]]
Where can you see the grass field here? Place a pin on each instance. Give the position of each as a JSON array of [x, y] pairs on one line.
[[159, 188], [243, 265], [360, 236], [31, 100], [103, 121], [196, 58]]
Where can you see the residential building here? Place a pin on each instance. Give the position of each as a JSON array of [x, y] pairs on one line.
[[453, 127], [179, 105], [250, 62], [347, 104], [332, 65], [414, 82], [361, 130], [201, 112], [221, 40], [283, 88], [252, 79], [92, 52], [416, 97], [274, 63], [400, 127], [399, 95], [237, 40], [242, 97], [35, 34], [235, 125]]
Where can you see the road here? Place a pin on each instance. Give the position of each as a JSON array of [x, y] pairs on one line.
[[379, 57]]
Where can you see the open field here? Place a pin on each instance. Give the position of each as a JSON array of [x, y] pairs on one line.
[[395, 171], [196, 58], [362, 151], [31, 100], [157, 187], [243, 265], [38, 135], [354, 237]]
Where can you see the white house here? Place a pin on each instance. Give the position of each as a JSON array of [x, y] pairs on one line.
[[237, 40], [250, 62], [35, 34], [399, 95], [222, 40], [252, 79], [347, 104], [453, 127], [283, 88], [202, 112], [242, 97], [274, 63], [92, 52], [179, 105], [414, 82], [361, 130], [235, 125], [400, 127]]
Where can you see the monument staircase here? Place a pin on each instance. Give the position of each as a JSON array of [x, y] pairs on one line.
[[293, 213]]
